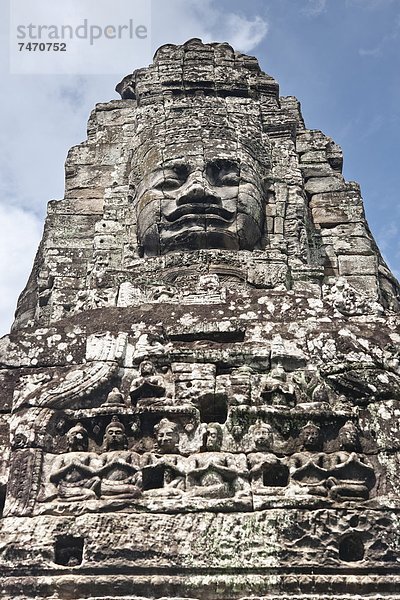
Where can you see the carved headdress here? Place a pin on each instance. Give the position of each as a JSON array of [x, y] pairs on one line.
[[115, 423], [78, 428]]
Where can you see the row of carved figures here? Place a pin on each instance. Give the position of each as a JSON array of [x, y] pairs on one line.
[[212, 473], [341, 295], [150, 388]]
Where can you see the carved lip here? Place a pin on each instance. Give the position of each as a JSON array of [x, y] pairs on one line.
[[202, 209]]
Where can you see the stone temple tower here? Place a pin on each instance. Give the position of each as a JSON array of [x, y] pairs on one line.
[[200, 395]]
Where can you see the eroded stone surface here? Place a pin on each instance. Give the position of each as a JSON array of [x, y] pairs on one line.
[[201, 390]]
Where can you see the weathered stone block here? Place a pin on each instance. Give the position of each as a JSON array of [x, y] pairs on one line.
[[357, 265], [278, 225], [332, 209], [322, 169], [364, 283], [320, 185], [312, 156]]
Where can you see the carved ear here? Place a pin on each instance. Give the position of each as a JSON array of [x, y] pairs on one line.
[[268, 188], [249, 232], [149, 243], [132, 192]]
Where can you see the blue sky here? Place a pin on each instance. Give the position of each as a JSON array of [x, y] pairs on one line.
[[340, 58]]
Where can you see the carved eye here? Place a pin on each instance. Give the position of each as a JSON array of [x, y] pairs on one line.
[[168, 184], [229, 179], [223, 172], [174, 177]]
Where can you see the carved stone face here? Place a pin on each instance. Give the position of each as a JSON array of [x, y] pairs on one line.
[[167, 439], [310, 437], [147, 368], [199, 202], [115, 438], [213, 439], [263, 437], [348, 438], [77, 440]]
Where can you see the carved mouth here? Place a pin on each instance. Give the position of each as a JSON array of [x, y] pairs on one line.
[[192, 210]]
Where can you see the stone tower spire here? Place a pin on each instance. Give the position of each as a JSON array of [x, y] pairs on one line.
[[201, 388], [200, 112]]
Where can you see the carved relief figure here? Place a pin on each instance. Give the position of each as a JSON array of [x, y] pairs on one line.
[[346, 299], [120, 469], [351, 477], [216, 474], [149, 344], [77, 439], [266, 469], [312, 390], [148, 385], [307, 467], [75, 474], [209, 283], [164, 470], [276, 390]]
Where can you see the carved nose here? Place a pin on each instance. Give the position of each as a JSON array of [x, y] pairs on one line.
[[198, 192]]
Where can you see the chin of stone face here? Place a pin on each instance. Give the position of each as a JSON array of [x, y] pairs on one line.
[[201, 389]]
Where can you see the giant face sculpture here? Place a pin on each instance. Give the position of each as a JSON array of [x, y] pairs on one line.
[[204, 193]]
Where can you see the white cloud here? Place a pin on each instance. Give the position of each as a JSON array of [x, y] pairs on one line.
[[370, 4], [315, 7], [46, 115], [390, 37], [20, 236], [97, 35], [206, 20], [374, 52], [245, 34]]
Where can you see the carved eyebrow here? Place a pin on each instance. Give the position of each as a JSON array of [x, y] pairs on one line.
[[224, 163], [222, 171], [177, 165]]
